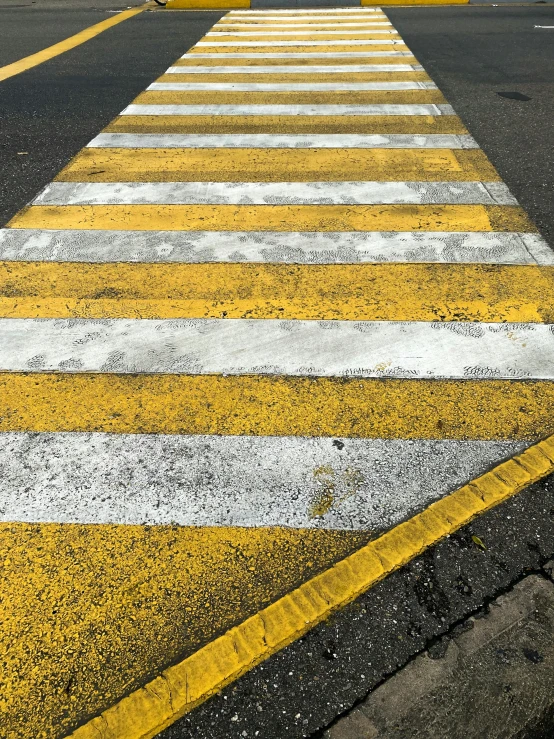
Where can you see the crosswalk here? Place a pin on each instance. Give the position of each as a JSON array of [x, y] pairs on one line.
[[281, 303]]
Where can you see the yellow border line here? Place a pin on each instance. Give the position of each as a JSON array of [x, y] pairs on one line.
[[10, 70], [180, 688]]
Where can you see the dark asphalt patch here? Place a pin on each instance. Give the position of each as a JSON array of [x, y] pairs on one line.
[[475, 53], [53, 110], [302, 689]]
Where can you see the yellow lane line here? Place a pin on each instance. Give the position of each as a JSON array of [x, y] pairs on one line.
[[261, 405], [181, 688], [278, 165], [430, 292], [286, 124], [10, 70], [141, 597], [276, 218], [342, 97]]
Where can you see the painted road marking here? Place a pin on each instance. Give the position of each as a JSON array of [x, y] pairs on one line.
[[282, 141], [153, 479], [274, 247], [28, 62], [250, 26], [304, 69], [288, 110], [268, 193], [316, 348], [225, 296], [291, 86]]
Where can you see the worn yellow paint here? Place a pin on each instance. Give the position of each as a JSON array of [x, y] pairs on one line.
[[91, 612], [297, 49], [180, 688], [262, 405], [28, 62], [286, 124], [277, 165], [277, 35], [276, 217], [190, 61], [429, 292], [342, 97], [297, 77], [206, 4], [228, 20]]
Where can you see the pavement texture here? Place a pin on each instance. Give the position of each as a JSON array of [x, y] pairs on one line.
[[495, 678], [277, 328]]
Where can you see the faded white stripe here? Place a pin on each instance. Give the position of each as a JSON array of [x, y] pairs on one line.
[[304, 69], [224, 27], [273, 247], [290, 86], [232, 480], [418, 109], [283, 141], [358, 32], [299, 55], [275, 193], [401, 349], [348, 42]]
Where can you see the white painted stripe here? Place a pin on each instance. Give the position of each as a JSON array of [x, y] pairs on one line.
[[347, 42], [273, 247], [418, 109], [251, 26], [156, 479], [430, 350], [299, 33], [283, 141], [289, 86], [304, 11], [298, 55], [275, 193], [297, 69], [301, 18]]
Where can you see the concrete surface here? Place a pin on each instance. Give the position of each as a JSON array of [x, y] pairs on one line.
[[495, 679]]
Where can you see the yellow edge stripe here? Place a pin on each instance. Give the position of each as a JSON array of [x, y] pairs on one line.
[[276, 218], [272, 405], [179, 689], [10, 70], [278, 165], [252, 61], [297, 49], [287, 124]]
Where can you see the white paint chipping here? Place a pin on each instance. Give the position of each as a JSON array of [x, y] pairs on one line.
[[358, 32], [304, 69], [347, 42], [289, 86], [232, 480], [282, 141], [288, 110], [273, 247], [401, 349], [233, 25], [297, 55], [275, 193]]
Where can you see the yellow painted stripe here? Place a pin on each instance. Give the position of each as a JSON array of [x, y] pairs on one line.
[[287, 124], [276, 218], [296, 49], [267, 38], [207, 4], [180, 688], [369, 292], [262, 405], [277, 165], [190, 61], [145, 596], [343, 97], [298, 77], [10, 70]]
